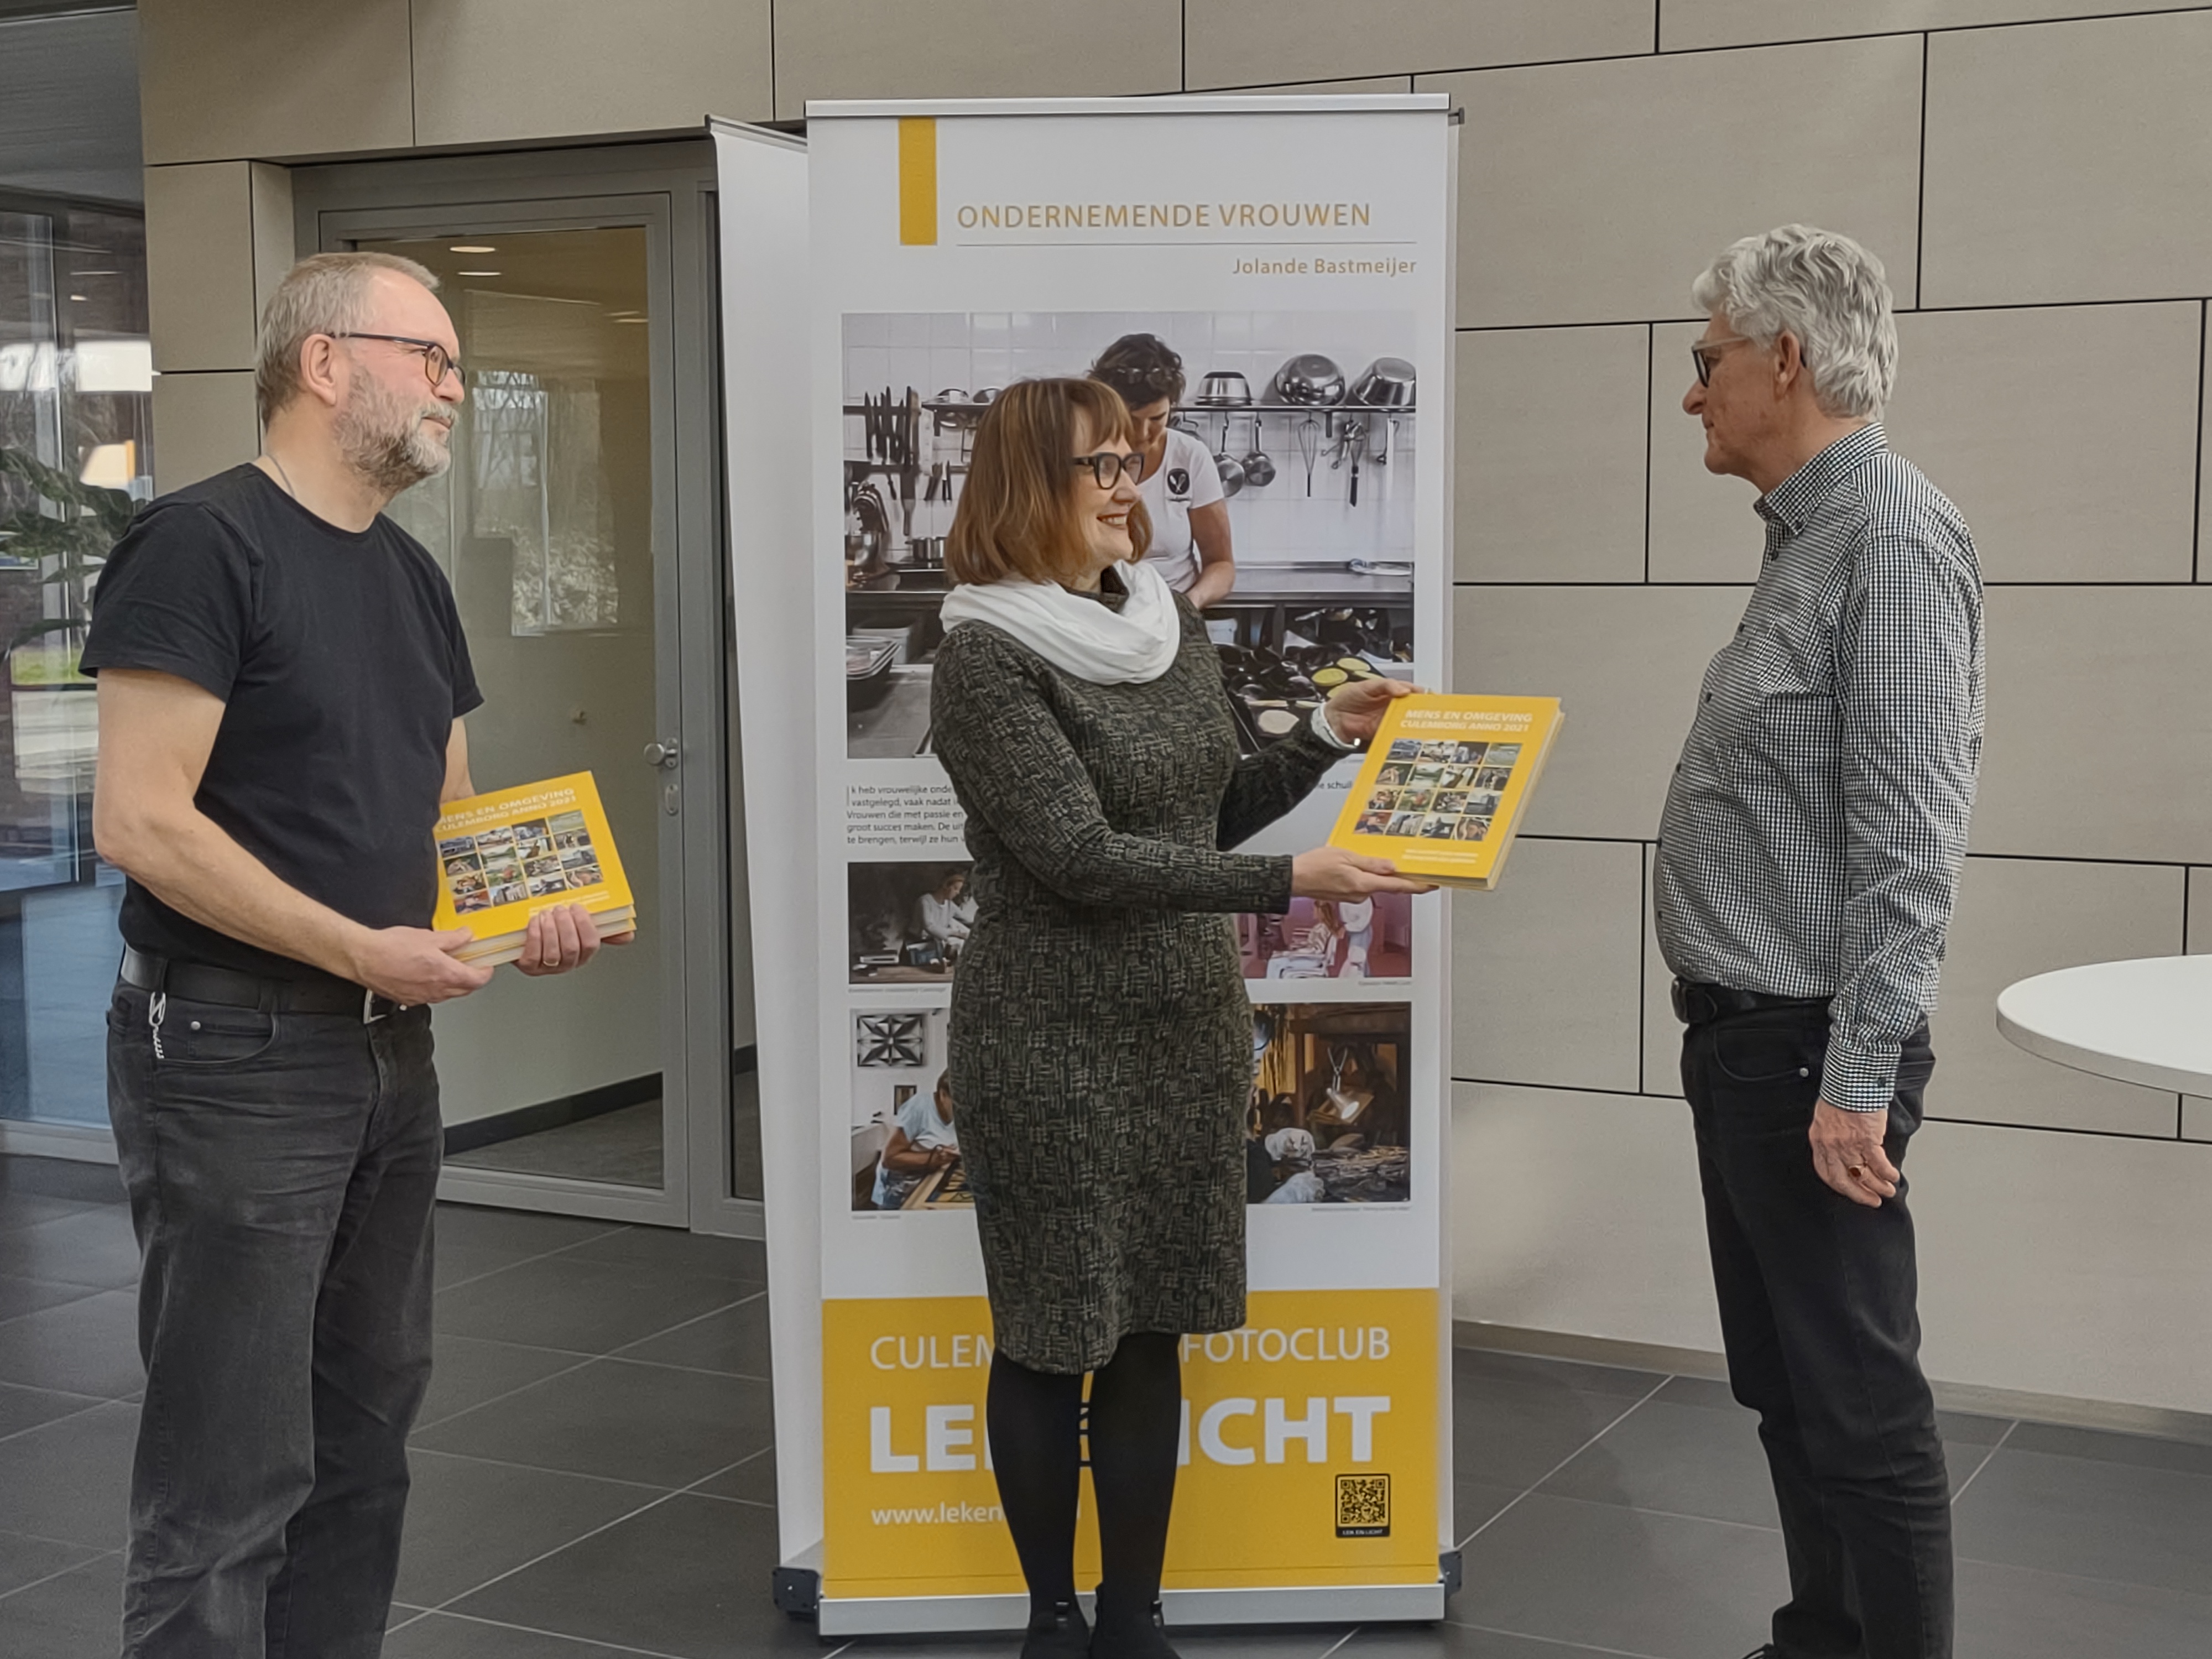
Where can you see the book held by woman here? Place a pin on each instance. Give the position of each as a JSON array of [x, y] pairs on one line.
[[1446, 784], [505, 856]]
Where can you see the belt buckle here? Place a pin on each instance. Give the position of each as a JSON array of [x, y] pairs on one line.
[[368, 1014]]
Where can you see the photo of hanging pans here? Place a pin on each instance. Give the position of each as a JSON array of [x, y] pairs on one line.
[[1310, 381], [1387, 383]]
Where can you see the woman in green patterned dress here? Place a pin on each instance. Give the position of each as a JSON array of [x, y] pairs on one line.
[[1101, 1033]]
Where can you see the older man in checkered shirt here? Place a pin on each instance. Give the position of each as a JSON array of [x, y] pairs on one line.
[[1808, 858]]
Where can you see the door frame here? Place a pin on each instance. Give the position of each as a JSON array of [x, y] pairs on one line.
[[667, 188]]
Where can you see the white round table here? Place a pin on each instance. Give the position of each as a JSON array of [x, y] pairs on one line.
[[2147, 1022]]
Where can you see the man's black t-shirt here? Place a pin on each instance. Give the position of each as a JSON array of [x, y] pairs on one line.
[[340, 662]]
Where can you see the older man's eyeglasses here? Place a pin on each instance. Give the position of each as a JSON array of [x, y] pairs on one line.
[[1107, 467], [437, 361], [1707, 353]]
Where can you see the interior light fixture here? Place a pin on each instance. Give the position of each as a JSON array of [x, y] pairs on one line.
[[471, 247], [79, 298], [478, 273], [633, 319]]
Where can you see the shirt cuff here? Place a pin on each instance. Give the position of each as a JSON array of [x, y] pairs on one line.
[[1860, 1077], [1326, 733]]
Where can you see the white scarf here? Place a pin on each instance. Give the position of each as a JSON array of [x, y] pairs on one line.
[[1079, 635]]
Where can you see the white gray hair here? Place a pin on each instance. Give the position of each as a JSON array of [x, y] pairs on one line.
[[1827, 291], [324, 293]]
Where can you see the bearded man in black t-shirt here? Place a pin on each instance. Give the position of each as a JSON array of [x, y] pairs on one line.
[[282, 679]]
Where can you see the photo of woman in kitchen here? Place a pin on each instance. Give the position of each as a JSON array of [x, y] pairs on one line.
[[1182, 487], [907, 923], [1332, 1075], [1101, 1037]]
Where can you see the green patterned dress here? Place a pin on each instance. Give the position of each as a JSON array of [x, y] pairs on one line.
[[1102, 1038]]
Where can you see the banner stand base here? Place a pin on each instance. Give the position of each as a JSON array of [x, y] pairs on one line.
[[947, 1615]]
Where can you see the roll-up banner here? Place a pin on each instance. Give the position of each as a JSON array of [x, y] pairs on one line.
[[1296, 253]]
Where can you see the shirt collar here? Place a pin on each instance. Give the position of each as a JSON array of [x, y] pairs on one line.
[[1789, 505]]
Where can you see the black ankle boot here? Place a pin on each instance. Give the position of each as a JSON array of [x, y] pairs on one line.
[[1057, 1631], [1127, 1633]]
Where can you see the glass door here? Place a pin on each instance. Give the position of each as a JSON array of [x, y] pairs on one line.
[[556, 526]]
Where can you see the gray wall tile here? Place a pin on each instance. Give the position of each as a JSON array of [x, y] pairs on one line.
[[2106, 493], [270, 189], [2200, 911], [2195, 1118], [2019, 917], [536, 69], [202, 423], [199, 266], [1703, 528], [972, 49], [222, 80], [1663, 1033], [1229, 43], [1550, 431], [1595, 192], [1555, 1194], [1691, 25], [1625, 661], [2099, 741], [2038, 190], [1548, 970]]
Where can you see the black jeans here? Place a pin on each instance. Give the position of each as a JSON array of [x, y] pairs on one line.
[[282, 1170], [1817, 1304]]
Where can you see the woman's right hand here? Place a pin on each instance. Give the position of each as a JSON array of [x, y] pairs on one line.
[[1330, 873]]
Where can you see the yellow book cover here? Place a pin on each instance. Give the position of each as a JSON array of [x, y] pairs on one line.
[[505, 856], [1446, 783]]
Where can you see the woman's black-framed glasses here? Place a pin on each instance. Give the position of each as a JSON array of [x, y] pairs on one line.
[[1107, 467], [437, 361]]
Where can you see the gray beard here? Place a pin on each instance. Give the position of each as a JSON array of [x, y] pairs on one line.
[[384, 442]]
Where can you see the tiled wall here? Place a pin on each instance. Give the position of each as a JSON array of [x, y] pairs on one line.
[[2036, 173]]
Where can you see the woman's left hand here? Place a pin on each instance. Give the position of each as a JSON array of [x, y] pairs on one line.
[[1356, 709]]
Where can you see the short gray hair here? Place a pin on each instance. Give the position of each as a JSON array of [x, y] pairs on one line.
[[1826, 290], [324, 293]]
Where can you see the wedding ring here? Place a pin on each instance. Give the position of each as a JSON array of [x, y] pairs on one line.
[[1855, 1171]]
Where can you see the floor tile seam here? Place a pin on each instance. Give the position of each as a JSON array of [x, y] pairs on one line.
[[540, 1468], [695, 1370], [582, 1360], [727, 1307], [2203, 1596], [90, 1291], [1551, 1641], [1564, 1462], [729, 1498], [66, 1543], [582, 1537], [1967, 1484], [524, 1261], [557, 1635], [96, 1402], [1339, 1645], [2204, 1474], [74, 1566], [1645, 1508]]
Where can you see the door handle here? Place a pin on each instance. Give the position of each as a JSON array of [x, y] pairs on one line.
[[664, 754]]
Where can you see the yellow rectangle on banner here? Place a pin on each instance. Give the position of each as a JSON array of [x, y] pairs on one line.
[[917, 140], [1309, 1449]]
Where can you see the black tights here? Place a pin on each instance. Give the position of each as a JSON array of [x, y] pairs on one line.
[[1136, 1425]]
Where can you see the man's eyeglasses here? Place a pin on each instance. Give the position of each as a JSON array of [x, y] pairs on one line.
[[1707, 353], [437, 361], [1107, 467]]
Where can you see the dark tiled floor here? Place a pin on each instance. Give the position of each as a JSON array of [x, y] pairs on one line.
[[593, 1478]]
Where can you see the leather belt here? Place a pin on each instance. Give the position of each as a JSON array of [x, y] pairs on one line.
[[1701, 1004], [227, 987]]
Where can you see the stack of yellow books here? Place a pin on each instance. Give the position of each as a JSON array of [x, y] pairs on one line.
[[505, 856], [1446, 784]]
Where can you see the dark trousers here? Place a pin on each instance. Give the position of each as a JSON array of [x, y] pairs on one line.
[[282, 1170], [1817, 1304]]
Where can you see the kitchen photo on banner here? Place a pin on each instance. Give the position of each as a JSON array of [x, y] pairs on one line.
[[1278, 271]]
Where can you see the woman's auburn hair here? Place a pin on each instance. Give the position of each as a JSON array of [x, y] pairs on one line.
[[1018, 517]]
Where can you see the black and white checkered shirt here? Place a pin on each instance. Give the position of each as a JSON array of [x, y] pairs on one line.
[[1815, 827]]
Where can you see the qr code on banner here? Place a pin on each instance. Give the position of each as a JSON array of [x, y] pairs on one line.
[[1362, 1506]]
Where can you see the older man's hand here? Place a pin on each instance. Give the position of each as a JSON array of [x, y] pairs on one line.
[[1848, 1154]]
